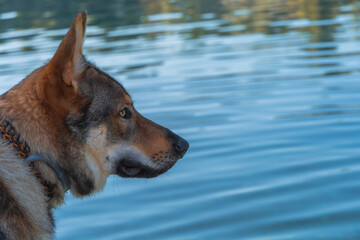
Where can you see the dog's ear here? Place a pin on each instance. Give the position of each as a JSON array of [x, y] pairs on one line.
[[68, 59]]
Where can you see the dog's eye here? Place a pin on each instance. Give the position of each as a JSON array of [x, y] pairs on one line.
[[125, 113]]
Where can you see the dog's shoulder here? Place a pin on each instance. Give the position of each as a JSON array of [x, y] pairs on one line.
[[24, 213]]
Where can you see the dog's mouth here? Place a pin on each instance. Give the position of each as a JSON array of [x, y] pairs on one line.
[[130, 169], [134, 164]]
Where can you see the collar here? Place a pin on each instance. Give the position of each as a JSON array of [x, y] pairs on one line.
[[8, 133], [59, 172]]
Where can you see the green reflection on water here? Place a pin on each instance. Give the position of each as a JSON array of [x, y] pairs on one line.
[[248, 16]]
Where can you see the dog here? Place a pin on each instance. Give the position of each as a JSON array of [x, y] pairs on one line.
[[69, 125]]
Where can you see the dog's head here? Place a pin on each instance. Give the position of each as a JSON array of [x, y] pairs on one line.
[[104, 132]]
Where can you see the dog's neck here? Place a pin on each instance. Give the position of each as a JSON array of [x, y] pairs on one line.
[[59, 172], [35, 133], [51, 186]]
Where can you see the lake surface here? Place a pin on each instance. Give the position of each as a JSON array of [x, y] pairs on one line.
[[267, 92]]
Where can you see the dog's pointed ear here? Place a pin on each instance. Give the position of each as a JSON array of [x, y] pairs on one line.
[[68, 59]]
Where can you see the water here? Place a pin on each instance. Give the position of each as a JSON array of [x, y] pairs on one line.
[[267, 93]]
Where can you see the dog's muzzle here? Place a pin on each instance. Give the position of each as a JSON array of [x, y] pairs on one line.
[[132, 163]]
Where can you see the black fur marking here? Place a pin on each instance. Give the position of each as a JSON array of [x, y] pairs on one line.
[[2, 235], [79, 124], [84, 186], [75, 165]]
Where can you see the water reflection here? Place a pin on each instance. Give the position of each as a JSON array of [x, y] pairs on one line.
[[242, 16], [266, 91]]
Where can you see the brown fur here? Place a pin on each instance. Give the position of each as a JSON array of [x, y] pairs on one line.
[[77, 116]]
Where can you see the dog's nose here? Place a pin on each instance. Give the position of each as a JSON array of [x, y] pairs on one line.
[[181, 145]]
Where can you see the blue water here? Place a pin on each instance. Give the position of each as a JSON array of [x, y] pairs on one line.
[[267, 93]]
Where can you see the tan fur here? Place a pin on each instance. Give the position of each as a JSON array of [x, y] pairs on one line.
[[150, 141], [96, 156], [68, 112]]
